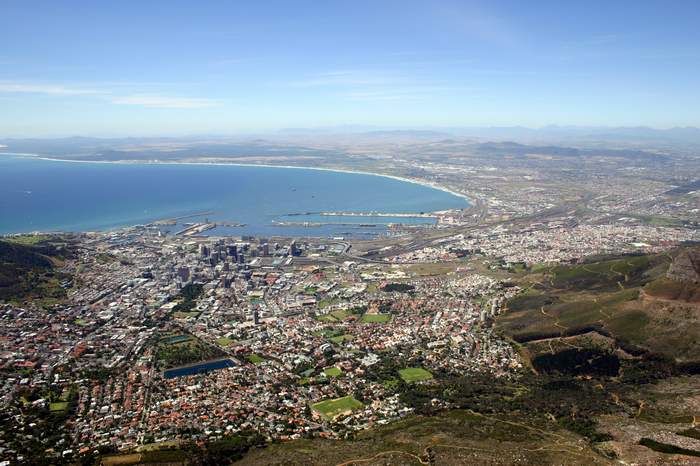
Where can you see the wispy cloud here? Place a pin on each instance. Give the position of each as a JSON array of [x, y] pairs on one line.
[[407, 94], [344, 78], [159, 101], [375, 85], [49, 89], [109, 92]]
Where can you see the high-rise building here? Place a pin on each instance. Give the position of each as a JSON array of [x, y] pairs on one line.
[[183, 273]]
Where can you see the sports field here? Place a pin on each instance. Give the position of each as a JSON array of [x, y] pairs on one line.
[[333, 372], [255, 359], [415, 374], [223, 341], [341, 338], [58, 406], [376, 318], [332, 408]]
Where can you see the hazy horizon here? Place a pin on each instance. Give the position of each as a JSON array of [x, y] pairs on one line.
[[462, 131]]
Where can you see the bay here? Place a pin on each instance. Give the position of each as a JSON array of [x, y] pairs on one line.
[[47, 195]]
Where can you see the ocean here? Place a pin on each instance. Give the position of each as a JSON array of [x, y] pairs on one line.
[[46, 195]]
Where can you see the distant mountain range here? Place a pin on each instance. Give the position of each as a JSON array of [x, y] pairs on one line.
[[684, 135], [689, 135], [563, 140]]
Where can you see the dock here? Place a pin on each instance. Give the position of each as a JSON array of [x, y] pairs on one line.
[[378, 214], [196, 228]]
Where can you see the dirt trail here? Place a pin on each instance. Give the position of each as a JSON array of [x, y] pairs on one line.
[[384, 453], [556, 320], [642, 403], [560, 443]]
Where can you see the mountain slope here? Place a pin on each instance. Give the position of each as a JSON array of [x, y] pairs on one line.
[[27, 271]]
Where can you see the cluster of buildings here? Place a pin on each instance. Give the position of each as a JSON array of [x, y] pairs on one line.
[[296, 323], [553, 241], [187, 338]]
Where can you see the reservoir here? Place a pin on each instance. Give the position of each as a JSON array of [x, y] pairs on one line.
[[198, 368], [46, 195]]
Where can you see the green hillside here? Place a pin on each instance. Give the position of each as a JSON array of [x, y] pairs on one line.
[[629, 299], [27, 270]]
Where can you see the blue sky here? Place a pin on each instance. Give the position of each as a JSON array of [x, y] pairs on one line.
[[226, 67]]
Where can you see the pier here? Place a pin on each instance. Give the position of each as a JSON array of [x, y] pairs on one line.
[[196, 229], [378, 214]]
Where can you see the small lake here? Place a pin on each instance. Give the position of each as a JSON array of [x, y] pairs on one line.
[[201, 368]]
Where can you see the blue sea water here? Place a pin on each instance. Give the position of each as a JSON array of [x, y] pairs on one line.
[[44, 195]]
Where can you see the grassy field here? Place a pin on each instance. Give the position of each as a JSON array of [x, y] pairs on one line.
[[333, 372], [155, 456], [223, 341], [340, 314], [376, 318], [158, 445], [657, 220], [415, 374], [341, 338], [28, 240], [185, 315], [176, 350], [441, 268], [335, 316], [121, 460], [332, 408], [255, 359], [58, 406]]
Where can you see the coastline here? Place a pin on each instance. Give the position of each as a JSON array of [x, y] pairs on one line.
[[425, 183]]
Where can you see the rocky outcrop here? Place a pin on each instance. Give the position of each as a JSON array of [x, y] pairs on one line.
[[686, 267]]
